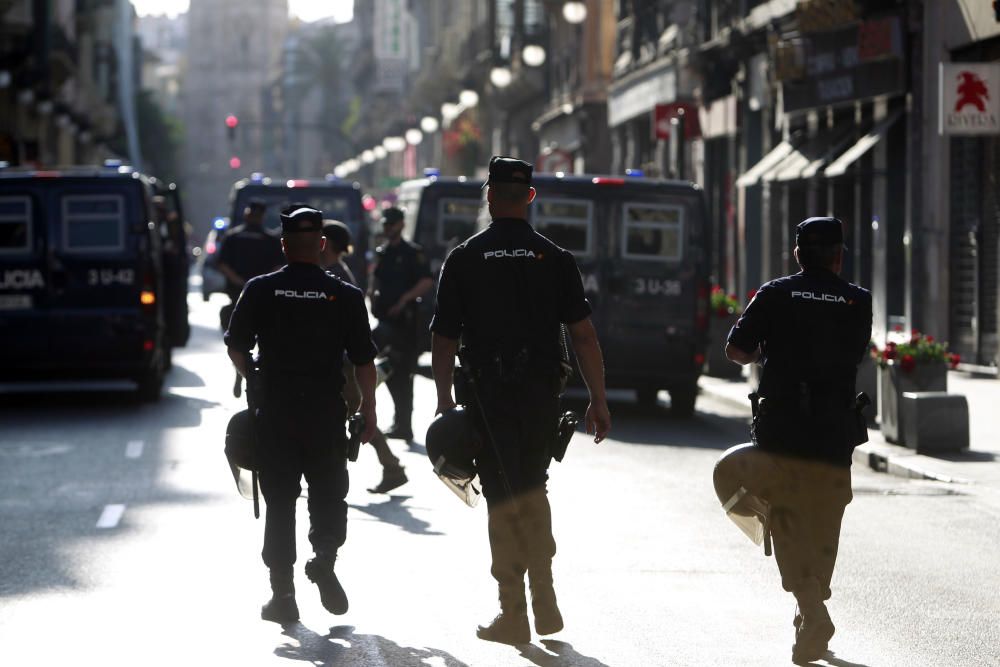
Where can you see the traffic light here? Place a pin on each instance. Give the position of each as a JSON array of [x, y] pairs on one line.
[[231, 123], [234, 162]]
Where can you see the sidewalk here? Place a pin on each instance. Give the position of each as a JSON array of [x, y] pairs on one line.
[[979, 465]]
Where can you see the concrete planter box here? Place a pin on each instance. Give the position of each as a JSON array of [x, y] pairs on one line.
[[867, 381], [716, 363], [894, 382]]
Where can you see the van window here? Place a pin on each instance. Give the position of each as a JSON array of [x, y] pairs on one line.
[[565, 222], [653, 232], [93, 223], [15, 225], [456, 219]]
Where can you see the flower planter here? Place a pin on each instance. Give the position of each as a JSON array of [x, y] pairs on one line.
[[717, 365], [894, 381]]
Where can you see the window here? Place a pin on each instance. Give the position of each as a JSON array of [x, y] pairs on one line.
[[15, 225], [456, 220], [653, 232], [565, 222], [93, 223]]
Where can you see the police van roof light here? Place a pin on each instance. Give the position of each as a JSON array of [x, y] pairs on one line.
[[112, 163], [432, 172], [635, 173], [219, 223], [256, 177], [605, 180], [297, 183], [331, 177]]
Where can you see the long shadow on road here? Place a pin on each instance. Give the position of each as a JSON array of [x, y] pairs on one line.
[[562, 655], [342, 647], [395, 512]]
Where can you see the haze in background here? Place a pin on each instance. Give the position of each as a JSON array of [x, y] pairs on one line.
[[307, 10]]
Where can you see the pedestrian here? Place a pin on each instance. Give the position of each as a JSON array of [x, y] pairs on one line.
[[505, 294], [810, 331], [402, 275], [302, 321], [338, 246], [248, 250]]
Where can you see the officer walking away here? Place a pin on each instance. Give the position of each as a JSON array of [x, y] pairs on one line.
[[402, 275], [338, 246], [248, 250], [810, 331], [302, 321], [505, 293]]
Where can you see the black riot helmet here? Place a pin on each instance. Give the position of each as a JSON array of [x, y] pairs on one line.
[[452, 445], [240, 452], [741, 479]]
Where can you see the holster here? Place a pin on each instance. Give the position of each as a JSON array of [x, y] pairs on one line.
[[355, 426], [567, 427]]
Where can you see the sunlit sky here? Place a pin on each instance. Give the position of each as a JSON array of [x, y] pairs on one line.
[[307, 10]]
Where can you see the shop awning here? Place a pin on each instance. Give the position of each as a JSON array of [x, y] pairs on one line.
[[808, 159], [840, 166], [766, 163]]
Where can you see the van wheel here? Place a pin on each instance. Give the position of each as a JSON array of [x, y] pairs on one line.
[[151, 381], [682, 400], [647, 397]]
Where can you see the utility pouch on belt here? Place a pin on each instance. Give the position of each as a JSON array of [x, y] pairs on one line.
[[355, 426], [567, 427]]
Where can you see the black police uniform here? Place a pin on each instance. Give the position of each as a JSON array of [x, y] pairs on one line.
[[505, 292], [397, 269], [813, 329], [250, 252], [302, 320]]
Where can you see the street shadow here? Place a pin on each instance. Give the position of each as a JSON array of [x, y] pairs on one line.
[[341, 646], [182, 377], [396, 513], [558, 654], [831, 659], [417, 447], [970, 455]]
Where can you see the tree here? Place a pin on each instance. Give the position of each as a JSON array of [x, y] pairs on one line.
[[160, 137], [318, 66]]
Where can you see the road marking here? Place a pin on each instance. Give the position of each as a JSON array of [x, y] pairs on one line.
[[111, 515], [134, 449]]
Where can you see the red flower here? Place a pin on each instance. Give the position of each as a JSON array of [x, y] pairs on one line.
[[751, 294], [722, 311], [954, 360], [929, 339], [891, 345], [898, 327], [889, 353], [716, 289], [907, 363]]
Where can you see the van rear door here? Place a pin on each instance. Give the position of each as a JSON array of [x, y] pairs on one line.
[[100, 249], [24, 336]]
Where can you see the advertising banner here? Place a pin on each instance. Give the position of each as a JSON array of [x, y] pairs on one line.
[[970, 98]]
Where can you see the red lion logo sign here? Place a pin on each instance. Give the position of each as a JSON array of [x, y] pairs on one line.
[[972, 90]]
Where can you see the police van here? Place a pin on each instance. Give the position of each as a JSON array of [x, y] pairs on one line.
[[440, 213], [338, 199], [82, 294], [641, 245]]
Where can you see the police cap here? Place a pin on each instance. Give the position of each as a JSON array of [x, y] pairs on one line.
[[392, 215], [819, 232], [337, 233], [301, 218], [509, 170]]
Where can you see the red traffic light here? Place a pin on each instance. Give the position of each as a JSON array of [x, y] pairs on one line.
[[232, 121], [234, 162]]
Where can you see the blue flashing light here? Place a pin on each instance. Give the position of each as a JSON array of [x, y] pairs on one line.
[[256, 177], [432, 172], [635, 173], [331, 177], [112, 164], [219, 223]]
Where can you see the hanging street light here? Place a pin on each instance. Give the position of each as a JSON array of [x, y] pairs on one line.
[[574, 12], [380, 152], [414, 136], [368, 156], [500, 76], [468, 98], [533, 55], [394, 144], [429, 124]]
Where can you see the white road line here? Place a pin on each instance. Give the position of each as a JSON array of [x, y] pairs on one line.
[[134, 449], [111, 515]]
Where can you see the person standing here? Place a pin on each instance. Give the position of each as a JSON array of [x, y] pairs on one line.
[[402, 276], [302, 321], [248, 250], [505, 294], [338, 246], [810, 331]]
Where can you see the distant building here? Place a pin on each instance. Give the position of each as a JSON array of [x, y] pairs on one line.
[[163, 42]]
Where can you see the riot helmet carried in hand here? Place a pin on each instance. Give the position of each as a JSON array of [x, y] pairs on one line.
[[741, 476], [452, 444], [240, 451]]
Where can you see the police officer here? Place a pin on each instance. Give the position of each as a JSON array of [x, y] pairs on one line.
[[402, 275], [338, 245], [248, 250], [505, 293], [302, 321], [809, 330]]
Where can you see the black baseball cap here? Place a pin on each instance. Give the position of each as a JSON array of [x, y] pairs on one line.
[[301, 218], [505, 169], [392, 215], [819, 232]]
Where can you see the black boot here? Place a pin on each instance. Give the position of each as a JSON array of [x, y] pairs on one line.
[[320, 571], [540, 547], [281, 608], [511, 625], [813, 627]]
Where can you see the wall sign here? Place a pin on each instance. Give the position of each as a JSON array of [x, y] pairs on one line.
[[970, 98]]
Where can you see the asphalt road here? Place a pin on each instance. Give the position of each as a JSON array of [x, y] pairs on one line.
[[123, 542]]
